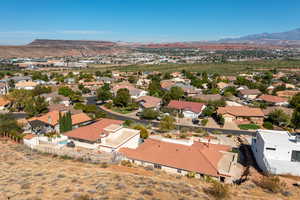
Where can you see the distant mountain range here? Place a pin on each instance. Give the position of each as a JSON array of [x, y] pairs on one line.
[[282, 38]]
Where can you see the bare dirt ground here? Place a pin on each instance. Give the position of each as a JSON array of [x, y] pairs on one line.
[[27, 175]]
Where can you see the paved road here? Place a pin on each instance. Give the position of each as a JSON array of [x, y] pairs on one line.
[[155, 124]]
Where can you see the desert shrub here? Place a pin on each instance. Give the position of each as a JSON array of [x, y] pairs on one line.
[[108, 105], [204, 122], [83, 197], [128, 122], [126, 163], [147, 192], [219, 190], [104, 165], [271, 184], [191, 174], [268, 125]]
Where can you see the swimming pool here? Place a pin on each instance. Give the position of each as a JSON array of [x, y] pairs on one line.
[[63, 142]]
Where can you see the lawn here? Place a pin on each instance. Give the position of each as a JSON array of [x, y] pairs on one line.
[[249, 126]]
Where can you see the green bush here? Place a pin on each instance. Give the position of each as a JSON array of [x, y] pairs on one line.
[[204, 122], [149, 114], [126, 163], [268, 125], [249, 126], [191, 174]]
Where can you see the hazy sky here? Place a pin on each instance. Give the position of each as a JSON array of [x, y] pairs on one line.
[[21, 21]]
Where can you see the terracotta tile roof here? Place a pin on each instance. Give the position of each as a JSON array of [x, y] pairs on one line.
[[268, 110], [199, 157], [29, 136], [149, 101], [287, 93], [241, 111], [4, 101], [208, 97], [186, 105], [166, 84], [250, 92], [53, 117], [93, 131], [272, 99]]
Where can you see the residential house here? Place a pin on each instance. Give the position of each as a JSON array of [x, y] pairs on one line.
[[249, 94], [50, 122], [26, 85], [55, 98], [134, 92], [241, 113], [287, 93], [270, 109], [277, 152], [106, 135], [184, 156], [149, 102], [189, 109], [273, 100], [208, 97]]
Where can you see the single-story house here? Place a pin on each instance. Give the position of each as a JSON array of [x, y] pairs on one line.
[[50, 122], [181, 157], [241, 113], [189, 109], [249, 94], [273, 100], [208, 97], [269, 109], [287, 93], [54, 98], [106, 135], [26, 85], [134, 92], [149, 102]]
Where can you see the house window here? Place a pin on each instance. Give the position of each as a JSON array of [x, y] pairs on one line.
[[179, 171], [295, 156], [157, 166], [271, 149]]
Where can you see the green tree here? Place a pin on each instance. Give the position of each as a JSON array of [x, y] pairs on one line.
[[176, 93], [155, 89], [144, 134], [10, 127], [296, 117], [295, 101], [65, 91], [122, 98], [167, 123], [279, 117], [149, 113], [65, 122], [36, 106], [103, 93]]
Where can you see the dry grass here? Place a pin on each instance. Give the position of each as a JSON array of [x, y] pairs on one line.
[[27, 175]]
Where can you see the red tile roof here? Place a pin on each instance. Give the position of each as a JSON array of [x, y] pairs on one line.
[[186, 105], [250, 92], [93, 131], [199, 157], [272, 99]]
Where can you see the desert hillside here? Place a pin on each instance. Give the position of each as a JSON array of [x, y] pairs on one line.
[[26, 175]]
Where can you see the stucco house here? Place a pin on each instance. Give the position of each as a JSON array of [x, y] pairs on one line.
[[277, 152], [189, 109], [241, 113], [149, 102], [50, 122], [105, 135], [184, 156], [273, 100], [249, 94]]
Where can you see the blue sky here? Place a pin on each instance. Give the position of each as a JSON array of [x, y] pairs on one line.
[[143, 20]]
